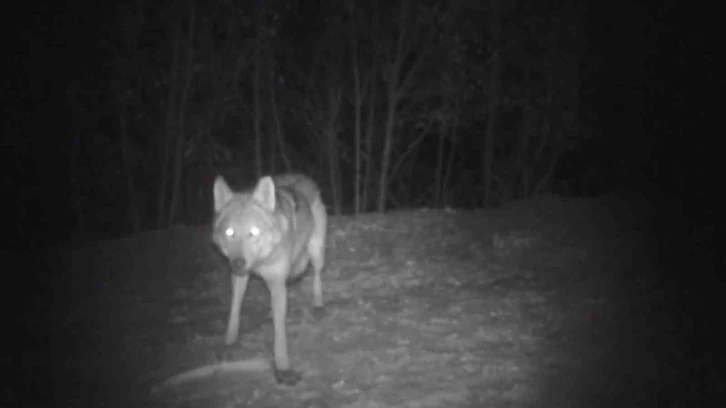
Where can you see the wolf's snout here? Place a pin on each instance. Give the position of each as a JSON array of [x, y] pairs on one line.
[[239, 265]]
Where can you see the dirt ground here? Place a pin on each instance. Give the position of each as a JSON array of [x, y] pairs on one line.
[[544, 303]]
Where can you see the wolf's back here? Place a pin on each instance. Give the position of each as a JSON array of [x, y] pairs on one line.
[[300, 183]]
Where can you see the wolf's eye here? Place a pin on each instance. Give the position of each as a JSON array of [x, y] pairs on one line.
[[254, 232], [229, 232]]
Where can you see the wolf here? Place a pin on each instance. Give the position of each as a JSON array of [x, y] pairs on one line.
[[274, 230]]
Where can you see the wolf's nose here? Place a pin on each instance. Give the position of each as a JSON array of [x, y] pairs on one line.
[[238, 265]]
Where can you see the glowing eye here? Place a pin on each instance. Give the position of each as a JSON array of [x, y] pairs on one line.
[[254, 231], [229, 232]]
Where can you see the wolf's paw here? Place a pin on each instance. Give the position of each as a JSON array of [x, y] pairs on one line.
[[230, 339], [287, 377], [318, 312]]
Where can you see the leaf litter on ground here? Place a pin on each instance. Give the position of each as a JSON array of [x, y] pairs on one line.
[[423, 308]]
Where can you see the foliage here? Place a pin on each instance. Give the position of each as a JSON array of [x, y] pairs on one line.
[[187, 79]]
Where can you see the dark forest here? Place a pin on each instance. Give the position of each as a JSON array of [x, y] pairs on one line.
[[121, 116]]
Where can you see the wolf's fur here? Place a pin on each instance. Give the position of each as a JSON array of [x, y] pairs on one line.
[[275, 231]]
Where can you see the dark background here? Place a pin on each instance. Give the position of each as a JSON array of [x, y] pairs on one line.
[[649, 77]]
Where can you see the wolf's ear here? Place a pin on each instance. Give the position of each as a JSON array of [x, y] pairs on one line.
[[264, 193], [222, 193]]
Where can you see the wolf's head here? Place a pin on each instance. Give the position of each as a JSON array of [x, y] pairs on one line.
[[245, 226]]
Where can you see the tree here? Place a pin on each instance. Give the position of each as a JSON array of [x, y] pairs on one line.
[[405, 44]]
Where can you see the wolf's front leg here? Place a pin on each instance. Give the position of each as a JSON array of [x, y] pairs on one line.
[[239, 286], [278, 296]]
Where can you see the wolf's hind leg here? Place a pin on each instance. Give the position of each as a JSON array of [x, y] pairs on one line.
[[301, 264], [316, 250]]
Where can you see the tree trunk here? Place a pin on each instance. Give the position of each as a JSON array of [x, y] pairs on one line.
[[387, 141], [439, 176], [257, 119], [331, 136], [449, 164], [370, 128], [492, 102], [168, 133], [412, 147], [357, 105], [393, 81], [278, 126], [524, 149], [132, 207], [181, 134]]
